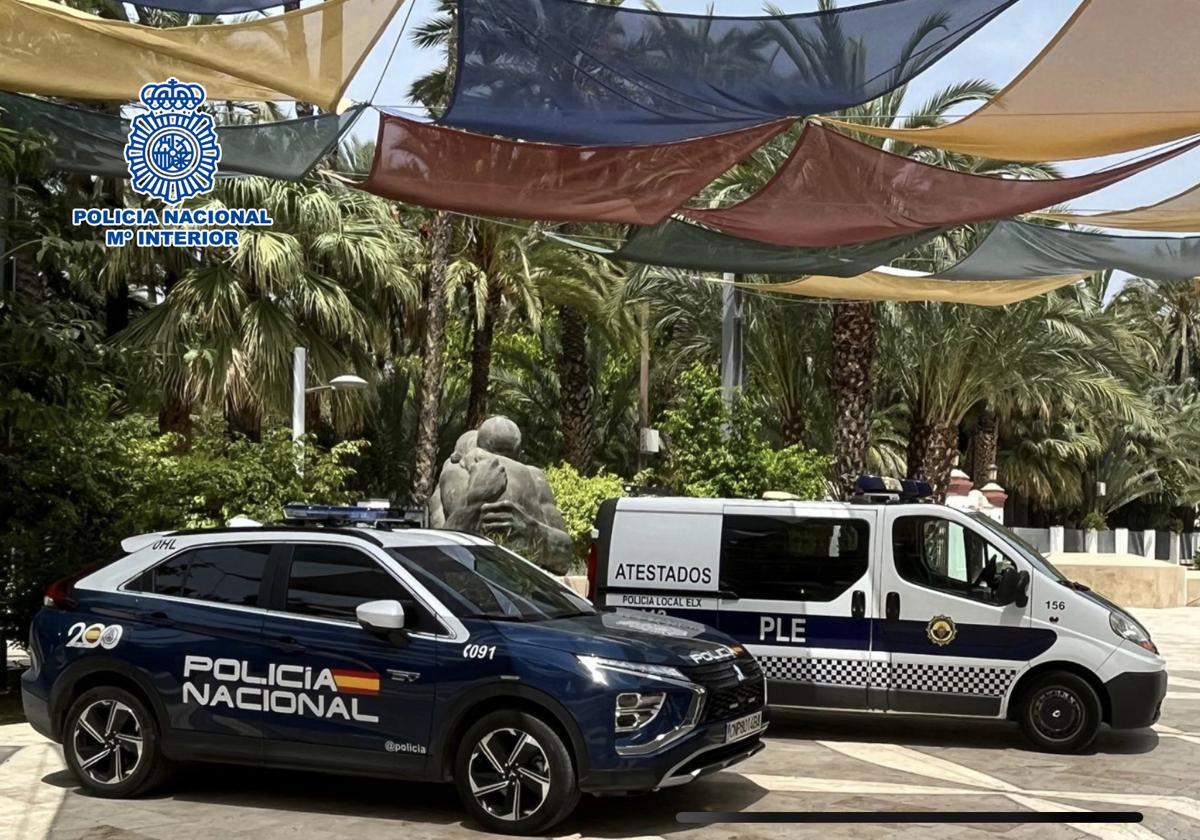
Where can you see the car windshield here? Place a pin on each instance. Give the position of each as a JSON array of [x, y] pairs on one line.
[[486, 581], [1023, 548]]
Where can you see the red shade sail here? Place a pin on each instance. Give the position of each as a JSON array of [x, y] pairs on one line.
[[456, 170], [833, 190]]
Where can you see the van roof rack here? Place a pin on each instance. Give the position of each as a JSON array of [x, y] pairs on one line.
[[370, 515], [885, 490]]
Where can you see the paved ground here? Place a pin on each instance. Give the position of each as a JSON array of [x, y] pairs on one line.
[[810, 764]]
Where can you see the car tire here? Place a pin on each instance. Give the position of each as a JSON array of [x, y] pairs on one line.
[[509, 760], [1060, 712], [111, 743]]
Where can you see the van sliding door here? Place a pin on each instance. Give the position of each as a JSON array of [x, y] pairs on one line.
[[797, 591]]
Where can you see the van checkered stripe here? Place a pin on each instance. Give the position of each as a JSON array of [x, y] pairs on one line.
[[954, 679]]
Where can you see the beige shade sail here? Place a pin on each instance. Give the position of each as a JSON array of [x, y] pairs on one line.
[[1120, 75], [1177, 214], [308, 55], [910, 286]]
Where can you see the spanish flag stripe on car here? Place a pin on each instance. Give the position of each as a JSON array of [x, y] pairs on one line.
[[356, 682]]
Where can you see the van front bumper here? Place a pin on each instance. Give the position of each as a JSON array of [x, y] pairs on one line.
[[1135, 698], [704, 751]]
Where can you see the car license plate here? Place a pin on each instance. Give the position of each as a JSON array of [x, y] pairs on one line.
[[743, 726]]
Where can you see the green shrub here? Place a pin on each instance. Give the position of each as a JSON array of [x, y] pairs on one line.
[[1094, 521], [578, 498], [71, 493], [796, 470], [716, 450]]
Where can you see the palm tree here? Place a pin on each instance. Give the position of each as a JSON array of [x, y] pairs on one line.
[[331, 274], [1171, 312], [1061, 349]]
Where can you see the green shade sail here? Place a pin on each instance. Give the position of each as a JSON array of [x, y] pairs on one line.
[[1014, 250], [682, 245], [93, 143]]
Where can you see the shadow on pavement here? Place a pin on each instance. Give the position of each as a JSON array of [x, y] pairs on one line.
[[937, 732], [431, 804]]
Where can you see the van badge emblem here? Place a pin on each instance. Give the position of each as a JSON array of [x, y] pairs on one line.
[[941, 630]]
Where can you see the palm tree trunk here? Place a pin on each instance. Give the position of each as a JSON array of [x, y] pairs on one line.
[[433, 359], [792, 423], [932, 447], [575, 389], [853, 332], [481, 356], [984, 445]]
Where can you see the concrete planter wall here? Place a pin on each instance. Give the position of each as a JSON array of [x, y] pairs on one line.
[[1127, 579]]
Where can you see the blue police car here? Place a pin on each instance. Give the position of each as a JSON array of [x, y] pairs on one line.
[[412, 654]]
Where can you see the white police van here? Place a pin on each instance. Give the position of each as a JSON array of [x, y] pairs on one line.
[[887, 604]]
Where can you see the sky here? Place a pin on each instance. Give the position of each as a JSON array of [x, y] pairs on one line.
[[997, 53]]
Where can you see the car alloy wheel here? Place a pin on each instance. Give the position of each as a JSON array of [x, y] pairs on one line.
[[107, 740], [1058, 714], [509, 774]]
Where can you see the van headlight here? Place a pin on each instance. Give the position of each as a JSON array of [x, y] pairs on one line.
[[1130, 630], [598, 667]]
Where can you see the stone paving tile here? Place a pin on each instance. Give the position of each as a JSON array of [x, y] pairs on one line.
[[813, 762]]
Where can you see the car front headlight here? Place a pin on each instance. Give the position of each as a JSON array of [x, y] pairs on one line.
[[1132, 631], [598, 667]]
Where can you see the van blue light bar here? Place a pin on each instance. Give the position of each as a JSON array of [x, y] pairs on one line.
[[884, 489]]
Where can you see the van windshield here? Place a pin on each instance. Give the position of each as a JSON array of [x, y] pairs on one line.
[[1030, 554], [486, 581]]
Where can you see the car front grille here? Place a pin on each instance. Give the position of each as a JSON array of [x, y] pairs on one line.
[[734, 688]]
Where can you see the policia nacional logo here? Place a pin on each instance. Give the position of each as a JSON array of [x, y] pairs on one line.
[[173, 151], [941, 630]]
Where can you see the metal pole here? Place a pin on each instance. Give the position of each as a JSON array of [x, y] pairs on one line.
[[731, 338], [299, 363], [643, 382]]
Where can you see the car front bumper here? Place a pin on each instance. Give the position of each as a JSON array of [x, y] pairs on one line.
[[1135, 698], [703, 751]]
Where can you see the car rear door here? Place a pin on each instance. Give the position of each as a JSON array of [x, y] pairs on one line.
[[798, 592], [951, 649], [342, 697], [199, 626]]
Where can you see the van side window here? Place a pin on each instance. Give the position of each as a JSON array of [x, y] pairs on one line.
[[943, 555], [227, 574], [329, 581], [781, 558]]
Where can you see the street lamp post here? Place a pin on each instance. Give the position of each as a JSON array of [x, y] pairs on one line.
[[345, 382]]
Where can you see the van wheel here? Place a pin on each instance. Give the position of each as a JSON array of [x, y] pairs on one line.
[[1060, 712], [514, 774], [111, 744]]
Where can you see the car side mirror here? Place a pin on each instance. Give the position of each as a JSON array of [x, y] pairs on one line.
[[384, 619]]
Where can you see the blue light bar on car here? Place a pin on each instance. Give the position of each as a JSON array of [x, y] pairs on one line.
[[336, 513]]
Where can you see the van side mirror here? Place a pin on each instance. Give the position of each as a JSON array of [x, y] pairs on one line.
[[1022, 599], [1012, 588], [384, 619]]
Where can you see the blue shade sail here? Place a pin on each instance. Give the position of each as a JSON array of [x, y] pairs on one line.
[[93, 143], [565, 71], [1014, 250]]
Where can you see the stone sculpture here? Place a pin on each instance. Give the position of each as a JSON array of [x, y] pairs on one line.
[[484, 489]]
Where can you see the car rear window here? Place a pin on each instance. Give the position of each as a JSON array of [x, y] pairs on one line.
[[226, 574]]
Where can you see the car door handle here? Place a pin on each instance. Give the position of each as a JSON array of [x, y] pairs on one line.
[[892, 606], [158, 618], [288, 644], [858, 604]]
